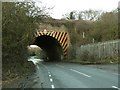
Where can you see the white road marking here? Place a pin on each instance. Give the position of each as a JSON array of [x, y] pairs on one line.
[[37, 67], [45, 67], [80, 73], [51, 80], [116, 74], [52, 86], [102, 71], [35, 80], [60, 66], [49, 72], [49, 75], [115, 87], [35, 60]]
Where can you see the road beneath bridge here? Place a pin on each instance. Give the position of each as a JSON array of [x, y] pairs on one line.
[[69, 75]]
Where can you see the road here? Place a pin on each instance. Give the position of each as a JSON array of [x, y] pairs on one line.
[[69, 75]]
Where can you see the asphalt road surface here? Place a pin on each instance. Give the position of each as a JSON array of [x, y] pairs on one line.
[[69, 75]]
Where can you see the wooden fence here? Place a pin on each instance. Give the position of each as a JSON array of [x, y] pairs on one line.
[[100, 50]]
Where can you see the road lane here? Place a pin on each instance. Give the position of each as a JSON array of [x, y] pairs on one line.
[[68, 75], [61, 77], [102, 79], [91, 70]]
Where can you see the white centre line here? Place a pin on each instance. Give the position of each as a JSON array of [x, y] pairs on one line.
[[80, 73], [49, 75], [115, 87], [60, 66], [49, 72], [102, 71], [37, 67], [52, 86], [51, 80]]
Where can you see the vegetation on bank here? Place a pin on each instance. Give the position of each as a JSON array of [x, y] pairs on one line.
[[92, 59], [100, 29], [19, 22], [37, 52], [91, 26]]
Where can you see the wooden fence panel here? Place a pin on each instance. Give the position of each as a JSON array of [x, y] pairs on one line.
[[101, 50]]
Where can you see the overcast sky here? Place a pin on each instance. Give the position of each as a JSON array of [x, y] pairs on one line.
[[65, 6]]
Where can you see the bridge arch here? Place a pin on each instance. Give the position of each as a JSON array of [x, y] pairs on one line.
[[55, 44]]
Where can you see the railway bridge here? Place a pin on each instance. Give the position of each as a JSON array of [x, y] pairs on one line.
[[54, 43]]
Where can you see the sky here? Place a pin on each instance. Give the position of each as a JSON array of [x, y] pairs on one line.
[[62, 7]]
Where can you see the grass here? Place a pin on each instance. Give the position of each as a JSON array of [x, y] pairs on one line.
[[93, 60]]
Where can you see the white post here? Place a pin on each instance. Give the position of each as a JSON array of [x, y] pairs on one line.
[[93, 40], [83, 34]]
